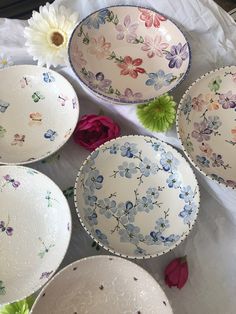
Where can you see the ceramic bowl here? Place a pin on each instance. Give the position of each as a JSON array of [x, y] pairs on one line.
[[102, 284], [206, 124], [137, 197], [38, 113], [35, 230], [129, 54]]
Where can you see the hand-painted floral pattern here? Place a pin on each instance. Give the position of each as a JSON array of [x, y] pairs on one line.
[[2, 131], [99, 47], [97, 20], [131, 67], [2, 288], [129, 95], [198, 103], [159, 79], [215, 83], [5, 228], [177, 55], [127, 30], [150, 18], [154, 46], [227, 100]]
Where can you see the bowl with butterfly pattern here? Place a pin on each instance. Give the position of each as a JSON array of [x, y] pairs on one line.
[[137, 197], [128, 54], [206, 125], [35, 231], [38, 112]]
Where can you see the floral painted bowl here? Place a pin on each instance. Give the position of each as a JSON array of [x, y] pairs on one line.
[[38, 113], [129, 54], [35, 230], [206, 125], [97, 284], [137, 197]]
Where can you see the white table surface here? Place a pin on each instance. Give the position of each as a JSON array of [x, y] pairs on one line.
[[210, 247]]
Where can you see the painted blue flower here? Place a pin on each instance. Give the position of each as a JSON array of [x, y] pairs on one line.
[[145, 204], [88, 198], [157, 146], [127, 169], [187, 105], [178, 54], [217, 178], [186, 194], [114, 149], [107, 207], [159, 79], [202, 160], [162, 224], [147, 167], [94, 180], [97, 19], [128, 150], [156, 237], [174, 180], [88, 165], [131, 234], [101, 237], [214, 122], [90, 216], [188, 213], [126, 212], [139, 251], [171, 239], [152, 193], [168, 161]]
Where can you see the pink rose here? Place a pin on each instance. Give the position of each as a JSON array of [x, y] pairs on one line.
[[93, 130], [176, 273]]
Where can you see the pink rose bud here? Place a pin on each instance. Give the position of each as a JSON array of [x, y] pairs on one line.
[[176, 272], [93, 130]]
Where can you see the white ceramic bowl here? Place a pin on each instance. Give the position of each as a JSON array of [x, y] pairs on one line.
[[35, 230], [128, 54], [38, 112], [102, 285], [137, 196], [206, 125]]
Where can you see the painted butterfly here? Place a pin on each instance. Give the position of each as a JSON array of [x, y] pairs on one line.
[[13, 182], [50, 134], [18, 140], [37, 96], [4, 228], [25, 82], [48, 78], [3, 106], [62, 99]]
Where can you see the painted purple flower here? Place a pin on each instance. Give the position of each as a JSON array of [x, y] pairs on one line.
[[217, 160], [46, 275], [5, 228], [227, 100], [98, 81], [127, 30], [201, 132], [177, 55], [14, 183], [130, 95]]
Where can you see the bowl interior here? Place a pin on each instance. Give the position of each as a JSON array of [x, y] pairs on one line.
[[38, 112], [35, 227], [137, 197], [97, 284], [129, 54], [207, 127]]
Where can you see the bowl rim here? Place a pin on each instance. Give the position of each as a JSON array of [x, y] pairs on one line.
[[28, 66], [142, 257], [194, 164], [115, 100], [69, 231], [99, 257]]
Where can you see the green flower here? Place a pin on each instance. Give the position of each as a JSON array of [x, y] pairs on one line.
[[21, 307], [2, 131], [214, 84], [159, 114]]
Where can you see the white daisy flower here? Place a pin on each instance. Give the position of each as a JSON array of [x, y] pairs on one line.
[[5, 61], [48, 34]]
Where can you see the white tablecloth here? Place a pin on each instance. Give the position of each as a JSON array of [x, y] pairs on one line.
[[210, 248]]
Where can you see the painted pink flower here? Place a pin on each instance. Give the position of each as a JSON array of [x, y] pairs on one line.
[[198, 102], [151, 18], [201, 131], [233, 132], [99, 47], [130, 95], [154, 46], [127, 30], [206, 149], [131, 67]]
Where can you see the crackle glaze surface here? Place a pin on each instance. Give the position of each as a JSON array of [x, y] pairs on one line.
[[35, 229], [99, 285], [206, 124], [38, 112], [129, 54], [137, 196]]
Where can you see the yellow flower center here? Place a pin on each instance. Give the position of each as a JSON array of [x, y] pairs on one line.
[[57, 38]]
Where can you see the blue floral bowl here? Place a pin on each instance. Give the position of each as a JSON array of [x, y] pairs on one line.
[[206, 125], [129, 54], [137, 197]]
